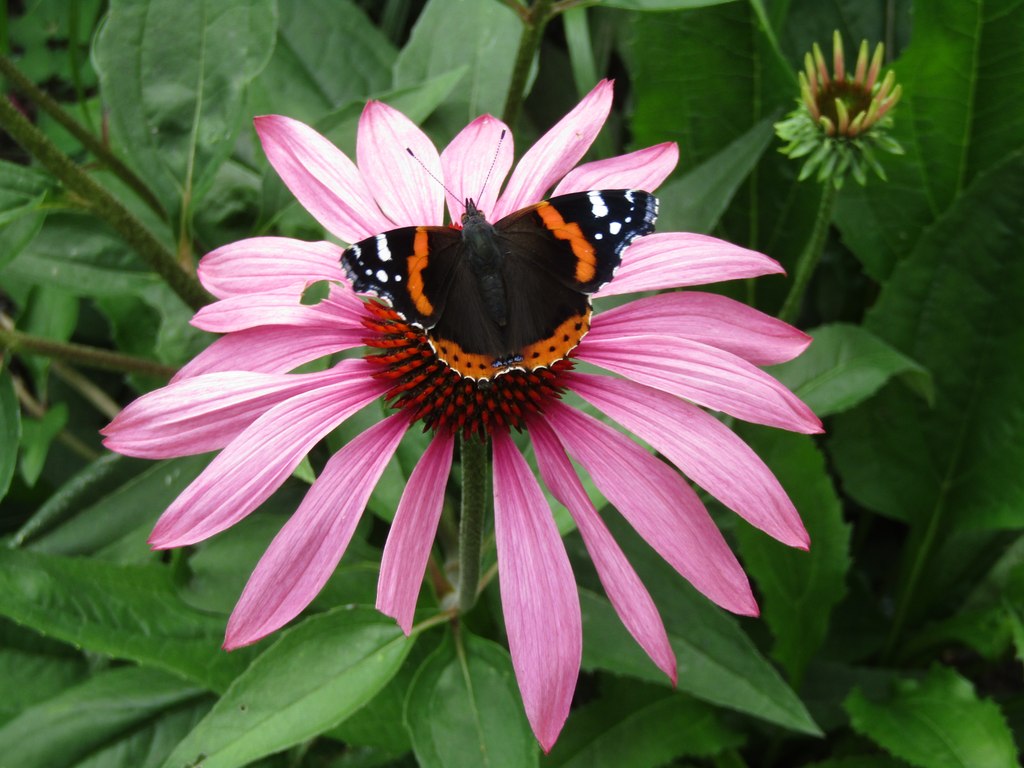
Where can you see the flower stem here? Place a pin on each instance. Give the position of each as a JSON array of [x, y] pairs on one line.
[[104, 205], [99, 150], [91, 357], [533, 29], [811, 254], [474, 485]]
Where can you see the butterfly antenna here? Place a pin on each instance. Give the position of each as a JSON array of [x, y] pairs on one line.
[[494, 160], [429, 172]]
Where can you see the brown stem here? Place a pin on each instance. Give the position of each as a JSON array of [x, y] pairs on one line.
[[100, 151], [102, 204], [91, 357]]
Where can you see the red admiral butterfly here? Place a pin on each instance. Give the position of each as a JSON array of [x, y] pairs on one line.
[[514, 294]]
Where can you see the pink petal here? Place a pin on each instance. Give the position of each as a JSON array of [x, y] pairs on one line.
[[401, 182], [341, 309], [678, 259], [708, 318], [266, 263], [644, 169], [255, 463], [627, 593], [556, 152], [271, 349], [306, 551], [206, 413], [475, 164], [659, 504], [701, 446], [538, 594], [412, 533], [707, 376], [322, 177]]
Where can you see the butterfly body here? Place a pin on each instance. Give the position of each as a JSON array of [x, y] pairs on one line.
[[513, 294]]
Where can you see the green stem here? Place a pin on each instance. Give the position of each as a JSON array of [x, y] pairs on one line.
[[42, 99], [533, 29], [104, 205], [811, 255], [471, 522], [90, 357]]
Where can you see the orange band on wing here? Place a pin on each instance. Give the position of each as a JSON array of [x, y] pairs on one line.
[[541, 354], [564, 339], [586, 262], [416, 264]]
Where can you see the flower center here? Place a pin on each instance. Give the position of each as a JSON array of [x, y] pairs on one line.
[[432, 391], [854, 96]]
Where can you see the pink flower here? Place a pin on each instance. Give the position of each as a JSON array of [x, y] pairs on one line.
[[670, 354]]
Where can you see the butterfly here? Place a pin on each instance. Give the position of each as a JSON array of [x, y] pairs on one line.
[[513, 294]]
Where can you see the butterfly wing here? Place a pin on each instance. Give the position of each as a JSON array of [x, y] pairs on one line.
[[410, 268], [578, 238], [561, 250]]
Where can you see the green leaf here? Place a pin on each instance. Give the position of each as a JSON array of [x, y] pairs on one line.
[[866, 761], [952, 305], [10, 429], [380, 724], [82, 256], [317, 41], [128, 612], [28, 677], [641, 726], [847, 364], [799, 589], [89, 484], [127, 510], [937, 722], [695, 201], [988, 620], [957, 118], [74, 723], [487, 34], [708, 79], [464, 709], [52, 314], [173, 75], [22, 191], [148, 745], [312, 678], [658, 5], [21, 187], [717, 661], [315, 292], [36, 436]]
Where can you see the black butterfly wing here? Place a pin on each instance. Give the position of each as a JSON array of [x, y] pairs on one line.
[[559, 251], [410, 268], [578, 238]]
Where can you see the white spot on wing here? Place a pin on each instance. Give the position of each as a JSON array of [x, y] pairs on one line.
[[597, 205], [383, 252], [615, 227], [382, 276]]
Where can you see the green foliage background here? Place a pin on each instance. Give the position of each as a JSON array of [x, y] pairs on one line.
[[896, 640]]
